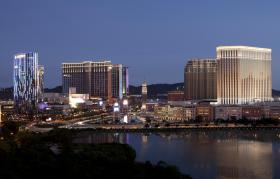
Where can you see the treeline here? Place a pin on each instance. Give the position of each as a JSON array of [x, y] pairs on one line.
[[54, 155]]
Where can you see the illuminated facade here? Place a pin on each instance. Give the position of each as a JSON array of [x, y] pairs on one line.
[[243, 74], [175, 95], [41, 72], [26, 81], [200, 79], [144, 91], [98, 79], [76, 99], [119, 81]]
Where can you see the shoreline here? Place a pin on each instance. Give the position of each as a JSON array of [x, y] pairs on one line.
[[176, 129]]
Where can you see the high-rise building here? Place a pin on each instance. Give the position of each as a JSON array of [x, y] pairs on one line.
[[125, 81], [200, 79], [144, 92], [41, 72], [119, 81], [25, 79], [98, 79], [243, 74]]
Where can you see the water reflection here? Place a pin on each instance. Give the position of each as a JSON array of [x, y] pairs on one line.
[[96, 138], [205, 154]]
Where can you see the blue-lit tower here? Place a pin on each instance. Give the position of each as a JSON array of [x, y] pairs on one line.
[[26, 81]]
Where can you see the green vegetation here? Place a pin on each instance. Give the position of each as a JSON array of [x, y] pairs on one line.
[[53, 155]]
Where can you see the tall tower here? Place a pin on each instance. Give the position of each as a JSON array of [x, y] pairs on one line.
[[41, 72], [125, 82], [119, 81], [25, 81], [243, 74], [200, 79], [144, 95]]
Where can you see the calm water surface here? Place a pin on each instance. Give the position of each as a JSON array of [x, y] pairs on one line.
[[205, 154]]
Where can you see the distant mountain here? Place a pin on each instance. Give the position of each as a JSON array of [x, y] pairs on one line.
[[6, 93], [153, 90], [275, 93], [57, 89]]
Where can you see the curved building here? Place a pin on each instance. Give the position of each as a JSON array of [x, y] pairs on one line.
[[243, 74], [26, 81]]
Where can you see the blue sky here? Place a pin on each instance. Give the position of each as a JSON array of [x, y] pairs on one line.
[[154, 38]]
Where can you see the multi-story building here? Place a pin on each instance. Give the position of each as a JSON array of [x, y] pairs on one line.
[[175, 95], [119, 81], [253, 112], [26, 81], [243, 74], [200, 79], [189, 113], [98, 79], [231, 112], [161, 111], [170, 112], [41, 72], [144, 92], [204, 112], [274, 112]]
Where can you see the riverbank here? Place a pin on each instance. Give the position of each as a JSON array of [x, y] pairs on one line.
[[180, 129]]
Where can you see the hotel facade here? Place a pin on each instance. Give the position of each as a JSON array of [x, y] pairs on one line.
[[26, 81], [96, 78], [243, 75], [200, 79]]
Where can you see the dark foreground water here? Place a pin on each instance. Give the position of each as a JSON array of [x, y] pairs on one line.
[[205, 154]]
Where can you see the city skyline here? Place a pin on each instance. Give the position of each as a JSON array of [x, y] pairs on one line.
[[139, 89], [167, 39]]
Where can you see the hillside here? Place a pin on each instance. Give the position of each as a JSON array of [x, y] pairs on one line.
[[153, 90]]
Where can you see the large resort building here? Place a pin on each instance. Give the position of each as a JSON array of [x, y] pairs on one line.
[[100, 79], [243, 74], [27, 80], [200, 79]]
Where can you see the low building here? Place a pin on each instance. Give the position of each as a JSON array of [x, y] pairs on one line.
[[228, 112], [54, 98], [6, 109], [174, 113], [150, 106], [175, 95], [189, 113], [161, 112], [253, 112], [204, 112], [274, 112]]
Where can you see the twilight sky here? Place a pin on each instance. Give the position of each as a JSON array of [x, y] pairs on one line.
[[154, 38]]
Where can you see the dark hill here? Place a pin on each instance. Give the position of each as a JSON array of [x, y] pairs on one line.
[[153, 90]]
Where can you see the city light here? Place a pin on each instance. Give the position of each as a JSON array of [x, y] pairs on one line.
[[125, 102], [116, 107]]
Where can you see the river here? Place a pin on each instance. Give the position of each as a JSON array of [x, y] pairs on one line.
[[222, 154]]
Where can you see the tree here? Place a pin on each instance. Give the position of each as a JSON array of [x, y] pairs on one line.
[[9, 128]]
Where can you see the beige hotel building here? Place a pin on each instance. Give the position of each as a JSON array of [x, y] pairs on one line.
[[243, 74]]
